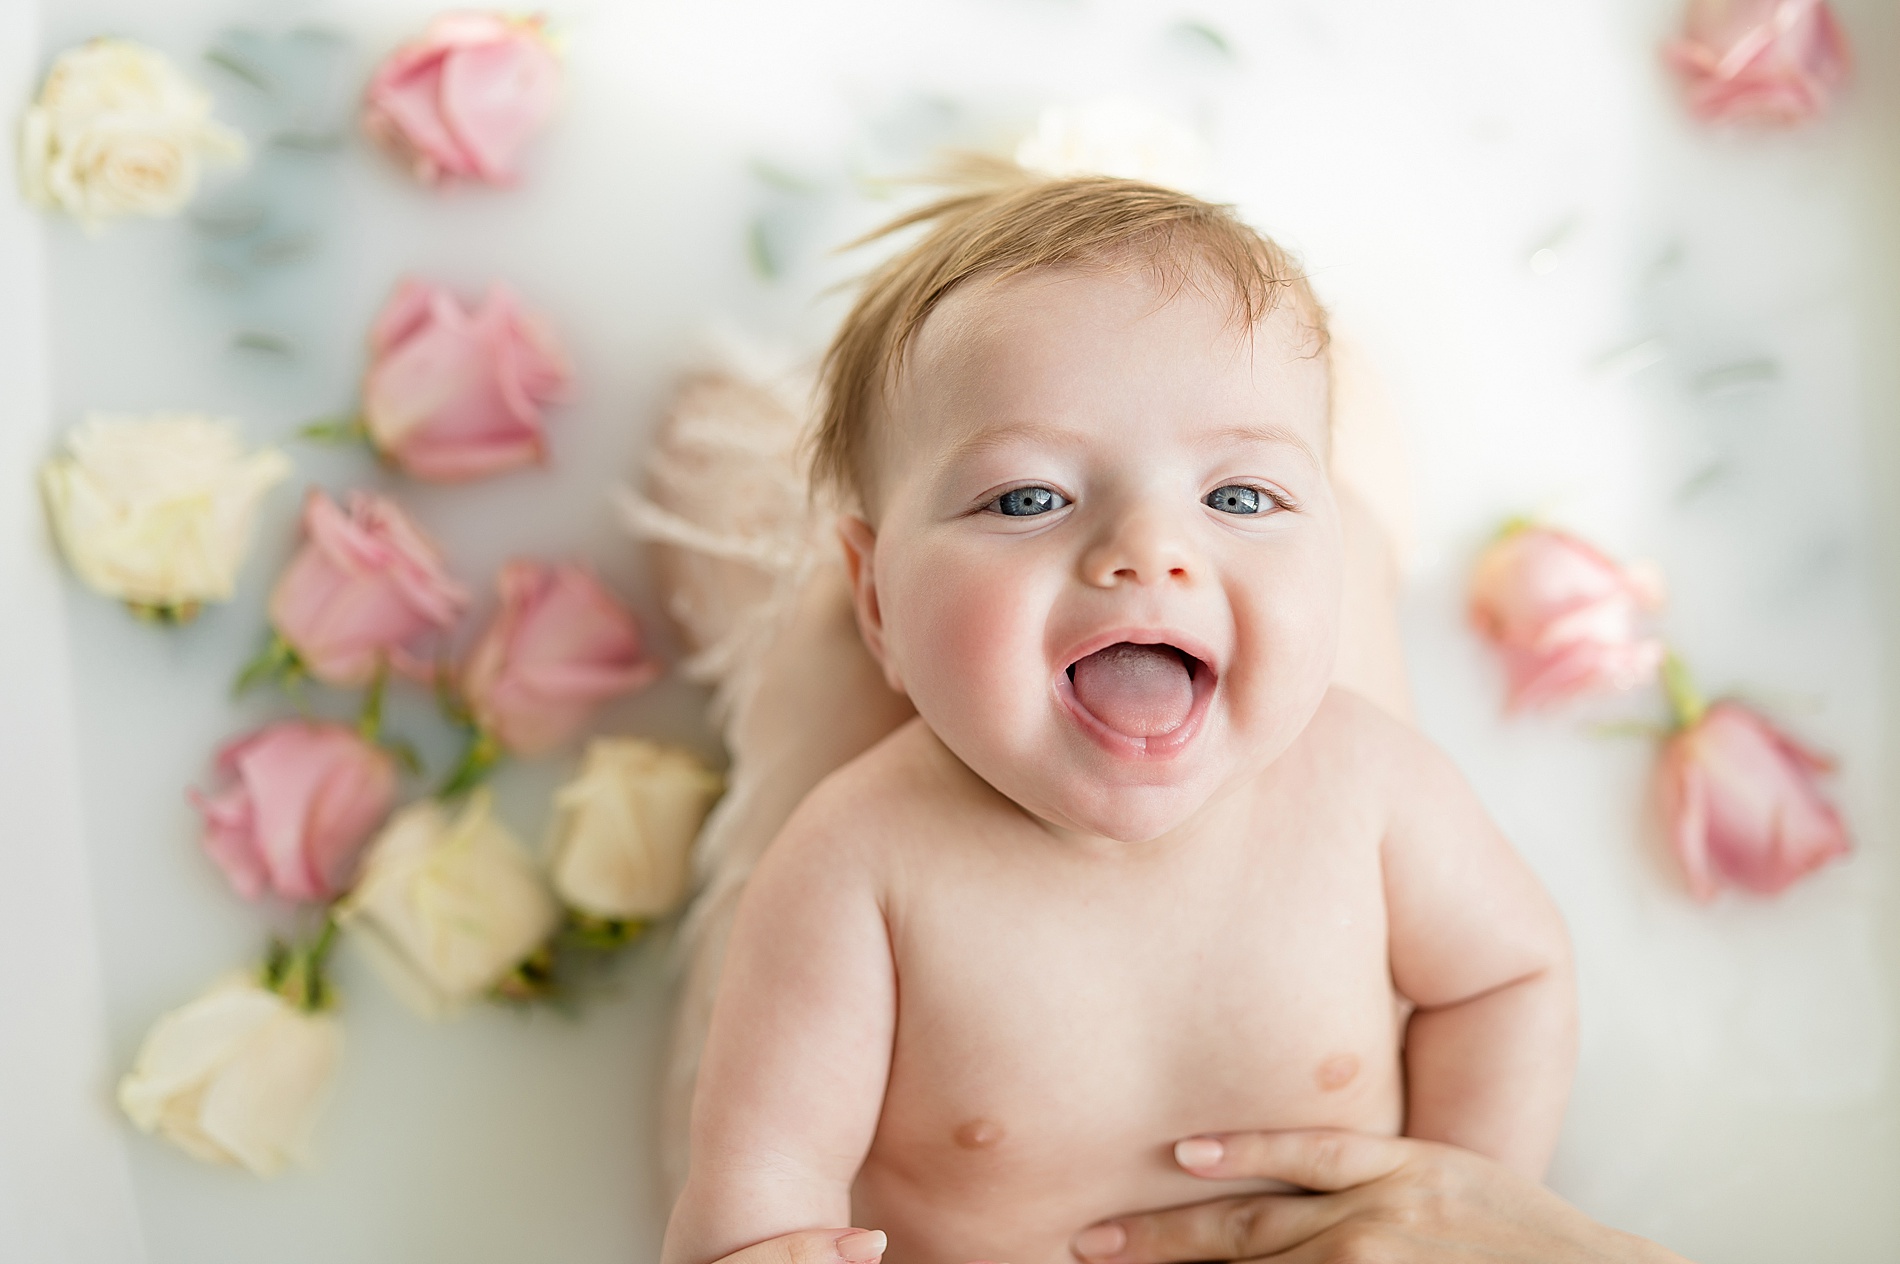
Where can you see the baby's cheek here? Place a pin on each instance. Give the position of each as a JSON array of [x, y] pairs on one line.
[[968, 638], [1287, 628]]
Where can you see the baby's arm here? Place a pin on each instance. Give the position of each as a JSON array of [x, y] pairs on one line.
[[1479, 948], [799, 1049]]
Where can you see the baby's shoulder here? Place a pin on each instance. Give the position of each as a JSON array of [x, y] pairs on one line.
[[904, 785], [1350, 726], [1354, 740]]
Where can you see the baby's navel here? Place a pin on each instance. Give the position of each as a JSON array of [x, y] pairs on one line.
[[1336, 1072], [978, 1134]]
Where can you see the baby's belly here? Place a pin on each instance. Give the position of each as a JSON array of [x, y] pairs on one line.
[[1015, 1181]]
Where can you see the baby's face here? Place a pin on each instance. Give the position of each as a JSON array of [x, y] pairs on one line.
[[1105, 559]]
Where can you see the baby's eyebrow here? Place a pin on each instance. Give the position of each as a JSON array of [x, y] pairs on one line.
[[1002, 434], [1265, 432]]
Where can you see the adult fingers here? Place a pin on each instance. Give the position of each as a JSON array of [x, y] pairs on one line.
[[815, 1246], [1239, 1228], [1314, 1158]]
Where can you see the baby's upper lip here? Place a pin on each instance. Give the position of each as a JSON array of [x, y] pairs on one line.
[[1143, 635]]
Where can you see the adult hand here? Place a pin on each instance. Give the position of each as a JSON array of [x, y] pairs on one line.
[[815, 1246], [1387, 1199]]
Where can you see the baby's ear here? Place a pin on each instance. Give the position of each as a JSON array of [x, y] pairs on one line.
[[860, 550]]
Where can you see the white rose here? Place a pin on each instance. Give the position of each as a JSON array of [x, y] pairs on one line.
[[1114, 137], [447, 906], [236, 1076], [624, 828], [158, 510], [118, 131]]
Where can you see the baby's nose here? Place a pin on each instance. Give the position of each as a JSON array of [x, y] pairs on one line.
[[1144, 547]]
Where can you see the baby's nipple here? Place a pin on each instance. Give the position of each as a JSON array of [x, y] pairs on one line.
[[1139, 690], [978, 1134]]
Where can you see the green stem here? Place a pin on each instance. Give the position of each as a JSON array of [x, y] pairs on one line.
[[297, 974], [479, 756], [336, 430], [370, 724], [174, 615], [1512, 525], [1685, 700]]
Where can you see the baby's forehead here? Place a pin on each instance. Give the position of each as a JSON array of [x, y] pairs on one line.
[[1052, 333]]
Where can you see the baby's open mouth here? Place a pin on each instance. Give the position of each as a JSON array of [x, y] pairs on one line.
[[1137, 691]]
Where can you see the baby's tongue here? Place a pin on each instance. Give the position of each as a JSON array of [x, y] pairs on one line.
[[1139, 690]]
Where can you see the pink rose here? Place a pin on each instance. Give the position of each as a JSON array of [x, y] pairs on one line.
[[303, 801], [453, 395], [1743, 805], [1761, 61], [1566, 619], [365, 588], [559, 645], [463, 100]]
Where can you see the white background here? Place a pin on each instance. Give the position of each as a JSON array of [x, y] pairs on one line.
[[1737, 1095]]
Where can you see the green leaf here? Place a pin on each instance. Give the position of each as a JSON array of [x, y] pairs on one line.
[[1204, 37], [259, 340], [277, 663], [236, 220], [307, 142], [242, 67], [760, 251], [289, 248], [784, 179]]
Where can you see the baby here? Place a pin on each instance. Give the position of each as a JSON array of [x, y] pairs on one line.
[[1135, 871]]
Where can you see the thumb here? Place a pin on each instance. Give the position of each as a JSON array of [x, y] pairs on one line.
[[815, 1246]]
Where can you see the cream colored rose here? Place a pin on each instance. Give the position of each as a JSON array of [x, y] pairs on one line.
[[624, 828], [448, 904], [158, 510], [236, 1076], [1114, 137], [118, 131]]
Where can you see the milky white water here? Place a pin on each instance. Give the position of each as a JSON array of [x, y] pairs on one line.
[[1680, 344]]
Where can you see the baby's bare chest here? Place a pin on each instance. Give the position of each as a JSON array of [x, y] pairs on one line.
[[1059, 1027]]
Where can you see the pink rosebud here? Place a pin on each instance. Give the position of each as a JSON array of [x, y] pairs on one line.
[[453, 395], [1743, 804], [463, 100], [1760, 61], [559, 645], [1566, 619], [303, 801], [365, 588]]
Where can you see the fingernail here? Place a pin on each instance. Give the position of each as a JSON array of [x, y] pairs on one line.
[[1198, 1152], [860, 1247], [1099, 1240]]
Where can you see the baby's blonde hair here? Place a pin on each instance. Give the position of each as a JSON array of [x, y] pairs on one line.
[[1014, 223]]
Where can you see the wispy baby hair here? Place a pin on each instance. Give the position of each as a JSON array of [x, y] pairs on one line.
[[1008, 221]]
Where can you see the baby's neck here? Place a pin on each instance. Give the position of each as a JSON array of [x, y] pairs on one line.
[[1222, 817]]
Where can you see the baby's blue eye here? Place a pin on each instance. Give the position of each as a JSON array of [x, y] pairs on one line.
[[1234, 499], [1027, 502]]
